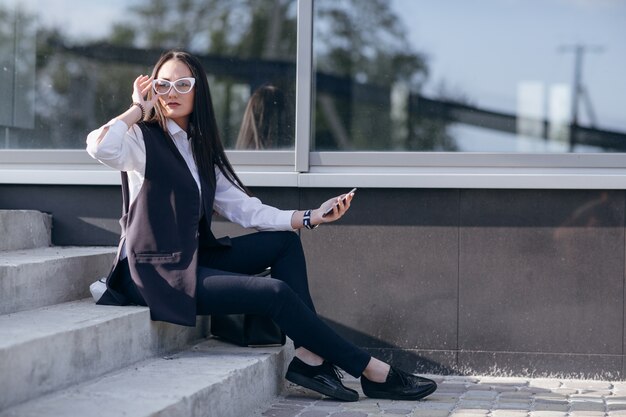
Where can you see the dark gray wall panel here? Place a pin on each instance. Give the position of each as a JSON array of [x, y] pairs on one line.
[[389, 268], [542, 271]]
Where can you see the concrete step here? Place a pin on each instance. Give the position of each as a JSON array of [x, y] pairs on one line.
[[51, 348], [210, 379], [33, 278], [24, 229]]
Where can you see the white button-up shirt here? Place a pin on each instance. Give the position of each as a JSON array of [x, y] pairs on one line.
[[123, 148]]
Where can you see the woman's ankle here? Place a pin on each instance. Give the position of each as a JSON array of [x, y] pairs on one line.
[[376, 371], [308, 357]]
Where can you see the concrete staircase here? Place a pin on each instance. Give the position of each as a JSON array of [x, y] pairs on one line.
[[62, 355]]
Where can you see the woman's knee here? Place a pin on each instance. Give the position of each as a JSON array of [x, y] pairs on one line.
[[277, 292]]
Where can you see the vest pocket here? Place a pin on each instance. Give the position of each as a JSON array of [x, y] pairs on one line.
[[157, 258]]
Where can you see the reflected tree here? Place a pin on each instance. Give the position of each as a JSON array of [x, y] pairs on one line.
[[242, 28], [245, 29], [364, 58], [367, 73]]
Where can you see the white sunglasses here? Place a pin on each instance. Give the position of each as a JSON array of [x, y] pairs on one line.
[[182, 85]]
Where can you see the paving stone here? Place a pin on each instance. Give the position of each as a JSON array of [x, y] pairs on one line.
[[289, 406], [328, 402], [459, 409], [397, 412], [532, 390], [434, 406], [358, 406], [474, 404], [349, 414], [280, 412], [451, 387], [550, 406], [512, 406], [508, 413], [602, 392], [299, 394], [314, 413], [589, 396], [565, 391], [505, 388], [551, 397], [587, 385], [515, 395], [430, 413], [548, 414], [403, 404], [615, 403], [444, 396], [587, 406], [472, 413], [480, 387], [297, 400], [480, 395], [586, 414]]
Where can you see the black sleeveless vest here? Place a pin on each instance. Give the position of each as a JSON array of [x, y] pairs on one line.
[[163, 232]]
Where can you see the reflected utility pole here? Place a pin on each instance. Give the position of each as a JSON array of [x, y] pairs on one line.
[[579, 91]]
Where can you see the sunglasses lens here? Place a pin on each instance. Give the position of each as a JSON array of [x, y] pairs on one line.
[[183, 86], [162, 86]]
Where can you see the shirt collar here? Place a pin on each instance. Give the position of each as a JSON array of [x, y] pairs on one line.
[[175, 130]]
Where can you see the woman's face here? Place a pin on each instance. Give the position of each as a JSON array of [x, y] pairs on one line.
[[176, 106]]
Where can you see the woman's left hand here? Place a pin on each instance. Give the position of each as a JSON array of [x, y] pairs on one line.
[[339, 206]]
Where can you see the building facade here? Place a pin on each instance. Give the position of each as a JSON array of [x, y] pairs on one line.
[[487, 234]]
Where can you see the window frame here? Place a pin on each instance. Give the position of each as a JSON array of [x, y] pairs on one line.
[[304, 168]]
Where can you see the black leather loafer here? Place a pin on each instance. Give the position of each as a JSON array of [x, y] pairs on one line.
[[325, 379], [399, 386]]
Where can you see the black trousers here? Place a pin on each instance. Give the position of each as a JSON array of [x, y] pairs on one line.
[[227, 285]]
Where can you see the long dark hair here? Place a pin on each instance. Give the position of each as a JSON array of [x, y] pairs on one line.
[[265, 123], [206, 144]]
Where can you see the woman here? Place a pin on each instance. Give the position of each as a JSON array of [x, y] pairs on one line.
[[169, 260]]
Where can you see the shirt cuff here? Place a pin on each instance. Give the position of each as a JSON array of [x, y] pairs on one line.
[[285, 218]]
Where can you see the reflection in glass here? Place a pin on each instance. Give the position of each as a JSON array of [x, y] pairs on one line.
[[266, 123], [81, 71], [17, 69], [463, 76]]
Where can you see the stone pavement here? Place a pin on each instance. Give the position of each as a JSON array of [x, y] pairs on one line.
[[467, 396]]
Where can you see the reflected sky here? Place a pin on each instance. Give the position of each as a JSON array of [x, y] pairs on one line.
[[86, 20], [482, 50]]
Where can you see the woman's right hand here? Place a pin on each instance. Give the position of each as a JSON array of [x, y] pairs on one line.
[[141, 88]]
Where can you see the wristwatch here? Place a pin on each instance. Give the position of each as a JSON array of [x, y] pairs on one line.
[[306, 220]]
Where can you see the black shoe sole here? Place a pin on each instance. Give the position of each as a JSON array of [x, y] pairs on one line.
[[320, 388], [409, 397]]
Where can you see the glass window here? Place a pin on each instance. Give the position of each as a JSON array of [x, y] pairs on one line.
[[67, 66], [458, 76]]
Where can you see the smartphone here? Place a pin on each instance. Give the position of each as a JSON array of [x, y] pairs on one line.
[[330, 210]]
